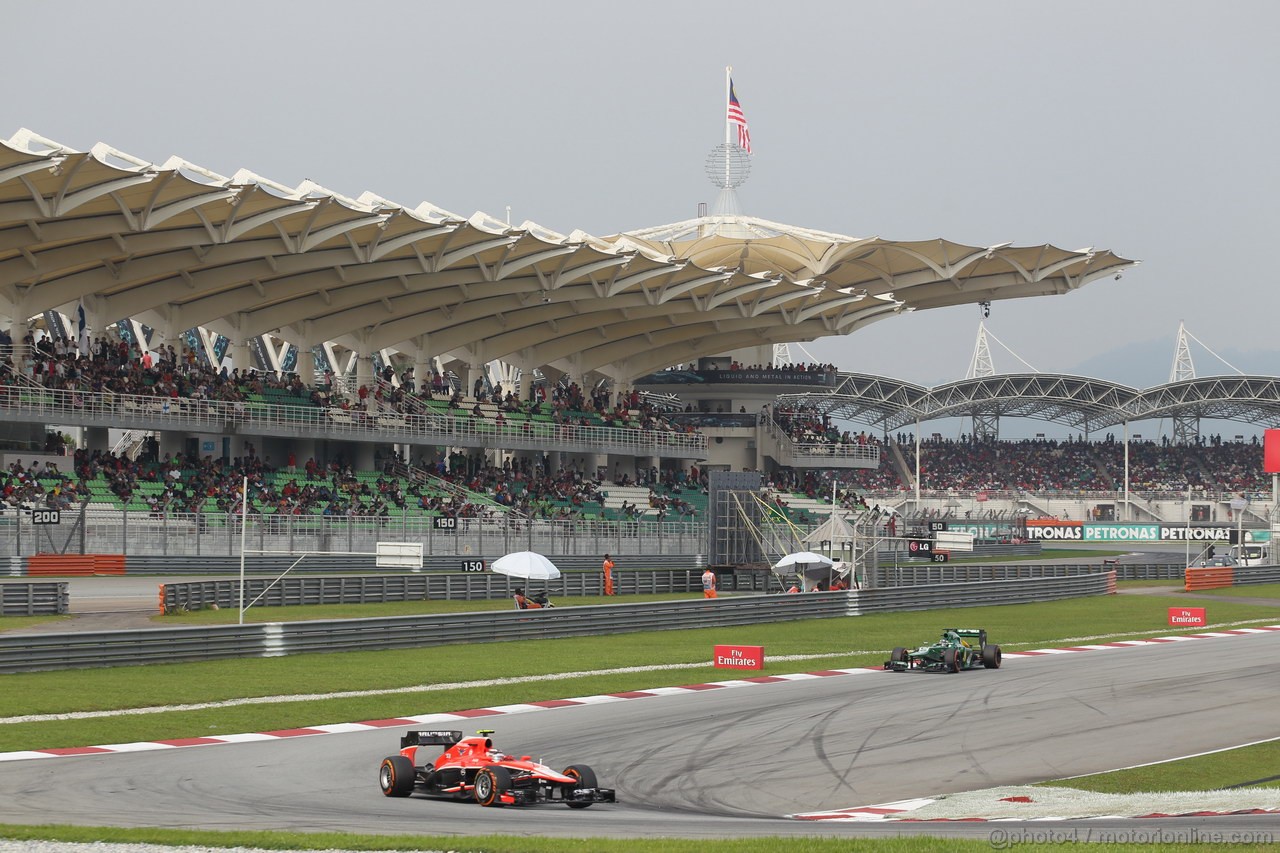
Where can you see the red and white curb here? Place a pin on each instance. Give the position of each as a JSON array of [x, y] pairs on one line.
[[901, 811], [452, 717]]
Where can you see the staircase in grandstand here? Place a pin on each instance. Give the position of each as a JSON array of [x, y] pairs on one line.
[[461, 493], [637, 496], [131, 443]]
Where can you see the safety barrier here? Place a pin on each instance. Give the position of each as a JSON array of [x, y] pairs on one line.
[[1212, 577], [1245, 575], [933, 573], [171, 645], [367, 589], [75, 565], [34, 599], [984, 593], [1209, 577]]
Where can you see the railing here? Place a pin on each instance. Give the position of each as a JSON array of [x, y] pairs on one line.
[[449, 487], [809, 453], [113, 531], [1197, 496], [743, 376], [151, 413], [464, 580], [171, 645]]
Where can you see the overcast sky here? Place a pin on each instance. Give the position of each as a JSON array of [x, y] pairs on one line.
[[1148, 128]]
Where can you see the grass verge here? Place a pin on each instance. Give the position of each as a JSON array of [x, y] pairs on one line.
[[419, 681], [1257, 590], [1256, 766]]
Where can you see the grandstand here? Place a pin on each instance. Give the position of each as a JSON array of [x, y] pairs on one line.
[[358, 359]]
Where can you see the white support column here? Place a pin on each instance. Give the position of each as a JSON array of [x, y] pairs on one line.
[[423, 368], [364, 369], [18, 331], [238, 352], [305, 364]]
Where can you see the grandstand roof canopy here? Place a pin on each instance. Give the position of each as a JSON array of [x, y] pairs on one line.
[[1077, 401], [177, 246]]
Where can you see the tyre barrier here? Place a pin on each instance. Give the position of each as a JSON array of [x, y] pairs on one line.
[[1213, 577], [75, 565]]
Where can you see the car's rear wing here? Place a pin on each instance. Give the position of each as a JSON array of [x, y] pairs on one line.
[[430, 738], [976, 637]]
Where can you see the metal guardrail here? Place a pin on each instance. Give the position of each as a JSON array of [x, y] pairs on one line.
[[931, 573], [982, 593], [1246, 575], [367, 589], [171, 645], [34, 599], [86, 408]]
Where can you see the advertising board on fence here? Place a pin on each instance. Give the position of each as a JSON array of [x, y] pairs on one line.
[[1047, 530], [948, 540]]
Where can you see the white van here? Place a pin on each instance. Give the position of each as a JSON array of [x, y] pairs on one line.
[[1252, 554]]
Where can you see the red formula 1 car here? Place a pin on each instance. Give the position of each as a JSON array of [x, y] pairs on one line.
[[470, 768]]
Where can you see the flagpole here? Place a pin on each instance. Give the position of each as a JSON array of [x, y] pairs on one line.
[[728, 125]]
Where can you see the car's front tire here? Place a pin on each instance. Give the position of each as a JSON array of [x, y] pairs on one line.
[[951, 660], [395, 776], [899, 656], [490, 784], [586, 779]]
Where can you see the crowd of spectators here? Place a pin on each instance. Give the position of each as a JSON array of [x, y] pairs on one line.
[[1041, 465], [966, 464], [784, 369], [120, 367], [806, 424]]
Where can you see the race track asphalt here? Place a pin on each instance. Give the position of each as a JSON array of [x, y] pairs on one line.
[[722, 762]]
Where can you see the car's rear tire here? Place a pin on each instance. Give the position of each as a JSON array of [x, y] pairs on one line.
[[951, 660], [395, 776], [991, 656], [898, 655], [490, 784], [586, 779]]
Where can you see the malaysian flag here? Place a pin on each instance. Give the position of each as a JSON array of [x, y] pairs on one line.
[[736, 116]]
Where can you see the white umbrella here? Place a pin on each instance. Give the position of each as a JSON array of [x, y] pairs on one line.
[[526, 564], [803, 558]]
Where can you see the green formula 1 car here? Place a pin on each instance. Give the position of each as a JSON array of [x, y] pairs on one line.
[[959, 648]]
